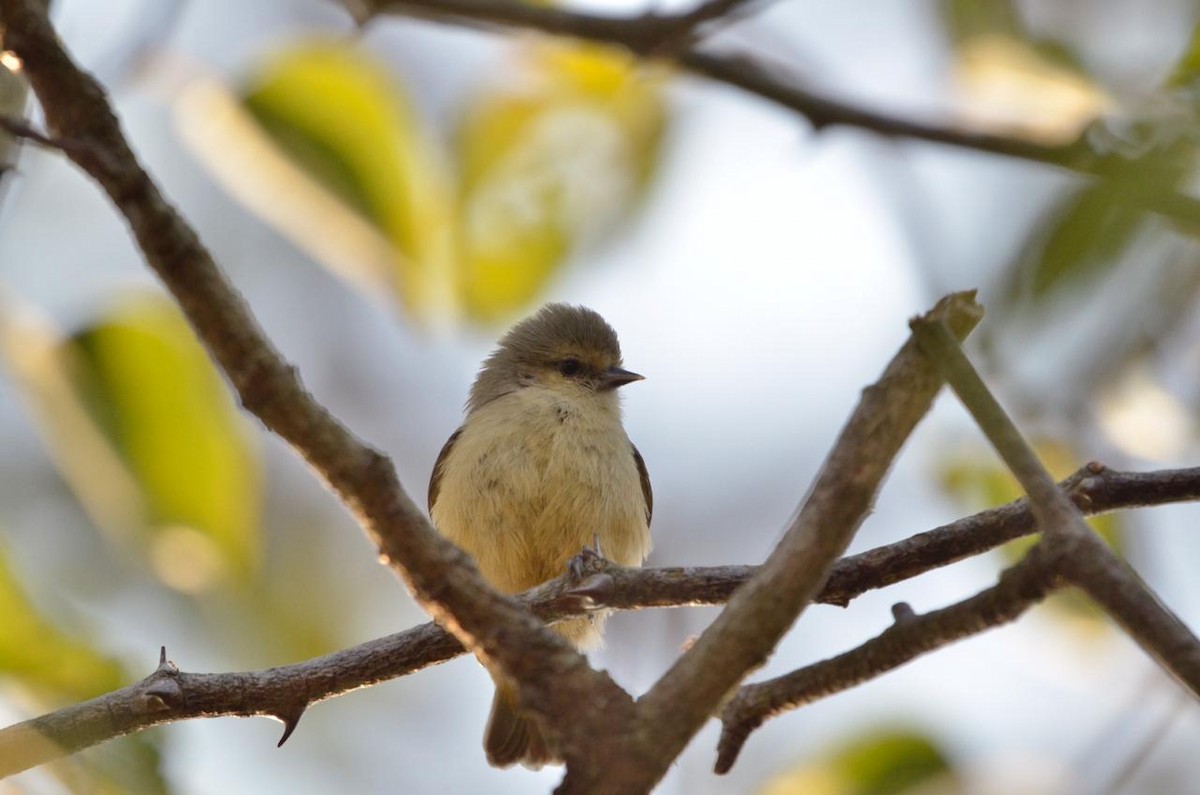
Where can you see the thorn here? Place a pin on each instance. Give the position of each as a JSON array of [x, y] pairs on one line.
[[165, 666], [290, 722], [902, 613]]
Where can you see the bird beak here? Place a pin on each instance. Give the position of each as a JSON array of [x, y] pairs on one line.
[[614, 377]]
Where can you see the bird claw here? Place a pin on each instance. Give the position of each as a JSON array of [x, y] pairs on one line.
[[589, 561]]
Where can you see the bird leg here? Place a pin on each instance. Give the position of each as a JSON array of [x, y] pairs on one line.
[[590, 560]]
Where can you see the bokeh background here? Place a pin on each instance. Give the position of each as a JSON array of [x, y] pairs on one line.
[[390, 198]]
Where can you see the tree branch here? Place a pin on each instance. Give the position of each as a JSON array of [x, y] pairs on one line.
[[610, 744], [1079, 553], [1094, 488], [284, 690], [758, 613], [651, 36], [577, 703], [1019, 588], [19, 128]]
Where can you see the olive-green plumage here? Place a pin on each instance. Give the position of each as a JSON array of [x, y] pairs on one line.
[[541, 468]]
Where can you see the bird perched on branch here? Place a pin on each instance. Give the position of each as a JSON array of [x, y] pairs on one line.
[[540, 469]]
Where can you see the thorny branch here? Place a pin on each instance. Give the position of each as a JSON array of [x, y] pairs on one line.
[[1078, 552], [1068, 554], [440, 576], [1020, 588], [288, 690], [578, 704]]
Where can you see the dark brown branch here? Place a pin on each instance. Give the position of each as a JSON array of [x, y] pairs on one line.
[[759, 612], [1081, 555], [21, 129], [578, 703], [1019, 588], [651, 35], [1095, 488]]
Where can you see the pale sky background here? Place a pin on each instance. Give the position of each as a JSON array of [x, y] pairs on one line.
[[768, 279]]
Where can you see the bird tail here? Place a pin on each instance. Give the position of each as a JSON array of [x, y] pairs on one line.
[[512, 738]]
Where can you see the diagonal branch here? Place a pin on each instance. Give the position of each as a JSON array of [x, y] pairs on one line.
[[758, 614], [1019, 588], [1079, 553], [287, 690], [19, 128], [441, 577]]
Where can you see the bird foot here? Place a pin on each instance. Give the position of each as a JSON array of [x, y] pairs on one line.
[[589, 561]]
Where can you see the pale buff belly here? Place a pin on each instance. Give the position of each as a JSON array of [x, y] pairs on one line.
[[527, 486]]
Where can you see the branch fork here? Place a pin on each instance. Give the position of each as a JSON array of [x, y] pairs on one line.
[[611, 743]]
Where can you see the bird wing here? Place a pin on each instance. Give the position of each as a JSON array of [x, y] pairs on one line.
[[435, 480], [647, 492]]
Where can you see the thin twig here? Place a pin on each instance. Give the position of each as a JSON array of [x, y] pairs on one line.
[[1079, 553], [645, 36], [1019, 588], [757, 615], [22, 129], [1095, 488]]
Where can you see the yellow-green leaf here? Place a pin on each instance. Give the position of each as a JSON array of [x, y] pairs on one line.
[[58, 667], [155, 391], [1187, 68], [883, 762], [1082, 239], [978, 481], [345, 120], [551, 160]]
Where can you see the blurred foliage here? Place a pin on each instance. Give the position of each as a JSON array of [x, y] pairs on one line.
[[886, 761], [1013, 82], [548, 159], [155, 393], [56, 666], [1186, 73], [964, 19], [978, 481], [1082, 238], [347, 121]]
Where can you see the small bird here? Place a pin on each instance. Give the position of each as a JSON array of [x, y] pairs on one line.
[[541, 469]]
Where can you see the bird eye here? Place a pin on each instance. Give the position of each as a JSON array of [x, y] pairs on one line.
[[570, 367]]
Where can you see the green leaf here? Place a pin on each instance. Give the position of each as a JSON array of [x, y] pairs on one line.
[[127, 766], [978, 481], [57, 667], [1084, 237], [346, 120], [964, 19], [890, 761], [1187, 68], [33, 651], [549, 161], [170, 416], [886, 761]]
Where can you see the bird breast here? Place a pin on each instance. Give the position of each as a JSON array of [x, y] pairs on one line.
[[535, 477]]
